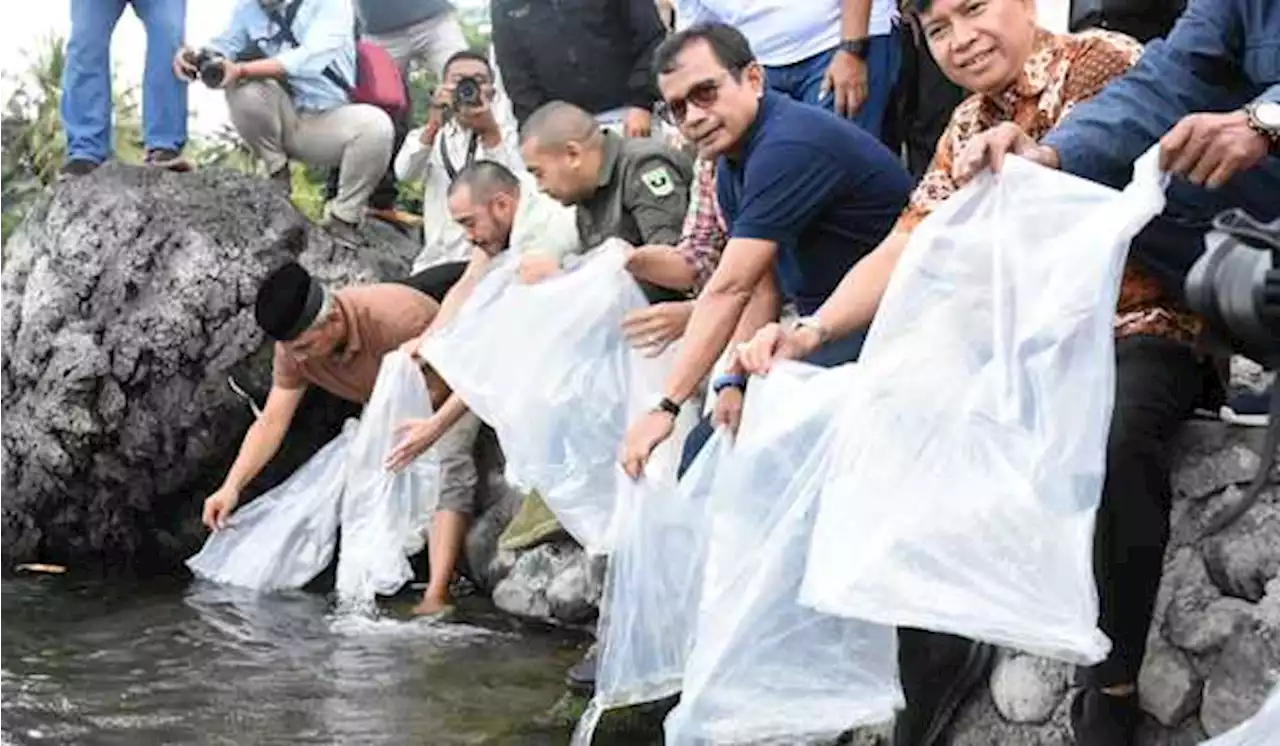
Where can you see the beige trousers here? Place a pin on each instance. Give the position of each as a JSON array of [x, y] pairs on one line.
[[434, 41], [458, 477], [356, 138]]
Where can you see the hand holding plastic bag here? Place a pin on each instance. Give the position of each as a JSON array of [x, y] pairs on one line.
[[549, 368], [285, 537], [971, 457], [384, 512], [763, 666]]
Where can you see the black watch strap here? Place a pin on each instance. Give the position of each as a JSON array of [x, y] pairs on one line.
[[668, 406], [855, 47]]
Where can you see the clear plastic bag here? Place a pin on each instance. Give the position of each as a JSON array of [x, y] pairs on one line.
[[285, 537], [763, 667], [1263, 729], [384, 513], [654, 582], [970, 459], [548, 367]]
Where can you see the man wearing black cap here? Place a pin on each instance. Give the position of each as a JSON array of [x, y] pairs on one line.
[[336, 341]]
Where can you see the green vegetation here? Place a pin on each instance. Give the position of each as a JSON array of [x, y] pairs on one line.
[[34, 144]]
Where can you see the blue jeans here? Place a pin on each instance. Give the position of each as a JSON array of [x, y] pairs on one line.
[[834, 353], [802, 81], [86, 77]]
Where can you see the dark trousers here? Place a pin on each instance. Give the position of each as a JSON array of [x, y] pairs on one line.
[[1158, 383], [436, 281], [836, 352]]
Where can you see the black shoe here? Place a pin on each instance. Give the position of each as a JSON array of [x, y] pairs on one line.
[[581, 676], [1099, 719], [77, 167], [938, 672]]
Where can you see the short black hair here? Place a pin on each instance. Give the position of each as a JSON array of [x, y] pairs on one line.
[[466, 54], [727, 43], [485, 179]]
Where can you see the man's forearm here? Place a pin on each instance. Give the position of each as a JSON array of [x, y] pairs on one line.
[[258, 448], [853, 304], [450, 412], [662, 266], [455, 298], [715, 317], [855, 18], [260, 69]]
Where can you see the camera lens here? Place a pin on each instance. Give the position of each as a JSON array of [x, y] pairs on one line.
[[467, 92]]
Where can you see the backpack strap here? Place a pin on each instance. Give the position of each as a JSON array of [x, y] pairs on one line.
[[285, 23]]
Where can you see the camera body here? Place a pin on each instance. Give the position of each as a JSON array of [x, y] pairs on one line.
[[468, 93], [208, 62], [1227, 285]]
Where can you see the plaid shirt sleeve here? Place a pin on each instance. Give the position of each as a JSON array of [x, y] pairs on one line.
[[703, 236]]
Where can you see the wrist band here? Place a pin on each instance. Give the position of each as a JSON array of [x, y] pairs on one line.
[[728, 380]]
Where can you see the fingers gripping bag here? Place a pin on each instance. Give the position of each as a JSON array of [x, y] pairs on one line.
[[765, 668], [384, 513], [285, 537], [548, 367], [1263, 729], [654, 582], [971, 459]]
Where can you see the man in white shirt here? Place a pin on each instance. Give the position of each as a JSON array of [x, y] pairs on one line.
[[842, 55], [497, 211], [465, 124]]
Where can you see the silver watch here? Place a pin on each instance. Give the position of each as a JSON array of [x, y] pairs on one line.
[[1264, 118], [814, 324]]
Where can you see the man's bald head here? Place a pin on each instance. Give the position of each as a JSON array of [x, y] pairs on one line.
[[563, 148], [556, 124]]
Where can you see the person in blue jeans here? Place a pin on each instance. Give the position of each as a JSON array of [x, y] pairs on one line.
[[86, 84]]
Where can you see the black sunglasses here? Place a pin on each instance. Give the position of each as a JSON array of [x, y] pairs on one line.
[[701, 95]]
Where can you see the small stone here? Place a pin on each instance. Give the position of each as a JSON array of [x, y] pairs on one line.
[[1247, 669], [1026, 689], [570, 594], [1246, 555], [1207, 629], [1169, 688]]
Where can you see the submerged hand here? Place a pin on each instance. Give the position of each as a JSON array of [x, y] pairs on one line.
[[644, 435]]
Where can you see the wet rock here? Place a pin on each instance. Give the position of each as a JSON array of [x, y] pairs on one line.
[[1210, 473], [496, 503], [1026, 689], [1169, 686], [548, 583], [1246, 555], [127, 304]]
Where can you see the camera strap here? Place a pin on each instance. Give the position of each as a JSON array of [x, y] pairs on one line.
[[285, 23], [449, 168]]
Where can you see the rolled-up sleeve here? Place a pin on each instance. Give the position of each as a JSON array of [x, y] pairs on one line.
[[1195, 69], [414, 160], [1272, 94], [325, 30], [235, 36]]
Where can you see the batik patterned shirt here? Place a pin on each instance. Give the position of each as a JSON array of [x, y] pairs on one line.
[[1062, 71]]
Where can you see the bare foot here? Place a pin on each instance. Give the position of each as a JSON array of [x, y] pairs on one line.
[[432, 605]]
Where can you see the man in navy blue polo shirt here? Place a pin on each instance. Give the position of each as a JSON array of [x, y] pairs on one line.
[[804, 194]]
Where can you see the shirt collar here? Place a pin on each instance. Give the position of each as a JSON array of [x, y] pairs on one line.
[[609, 162], [352, 343], [1033, 79], [768, 103]]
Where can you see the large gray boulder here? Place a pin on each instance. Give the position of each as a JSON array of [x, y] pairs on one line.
[[127, 305]]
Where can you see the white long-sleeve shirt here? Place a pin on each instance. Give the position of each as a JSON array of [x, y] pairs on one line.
[[783, 32], [443, 239]]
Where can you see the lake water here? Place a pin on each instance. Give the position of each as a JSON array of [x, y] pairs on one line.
[[170, 663]]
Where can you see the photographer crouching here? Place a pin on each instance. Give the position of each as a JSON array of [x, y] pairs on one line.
[[463, 125], [285, 67]]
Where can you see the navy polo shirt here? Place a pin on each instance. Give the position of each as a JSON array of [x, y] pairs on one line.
[[821, 188]]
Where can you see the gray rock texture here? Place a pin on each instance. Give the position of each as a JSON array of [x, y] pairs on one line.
[[555, 582], [128, 301]]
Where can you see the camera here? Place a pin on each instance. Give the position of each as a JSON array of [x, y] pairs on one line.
[[467, 93], [209, 64], [1234, 285]]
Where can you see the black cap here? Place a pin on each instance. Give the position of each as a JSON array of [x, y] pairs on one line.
[[289, 300]]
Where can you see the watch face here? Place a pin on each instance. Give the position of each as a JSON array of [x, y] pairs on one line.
[[1268, 114]]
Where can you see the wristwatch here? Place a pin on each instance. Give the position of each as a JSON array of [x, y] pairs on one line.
[[1264, 118], [855, 47], [665, 404], [813, 324]]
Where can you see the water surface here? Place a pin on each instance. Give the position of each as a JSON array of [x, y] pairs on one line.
[[90, 662]]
